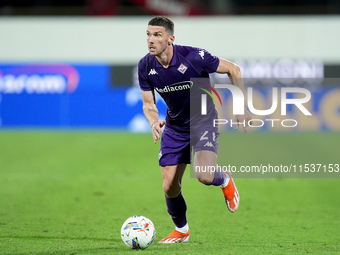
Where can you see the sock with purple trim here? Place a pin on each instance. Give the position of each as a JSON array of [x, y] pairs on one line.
[[220, 178], [177, 210]]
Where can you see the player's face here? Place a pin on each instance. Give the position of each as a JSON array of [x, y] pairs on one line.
[[158, 40]]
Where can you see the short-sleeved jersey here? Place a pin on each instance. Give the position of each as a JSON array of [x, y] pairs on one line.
[[174, 83]]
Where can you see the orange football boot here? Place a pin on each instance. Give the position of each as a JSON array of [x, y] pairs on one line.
[[231, 195], [176, 237]]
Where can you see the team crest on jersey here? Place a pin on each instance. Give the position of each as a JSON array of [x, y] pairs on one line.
[[182, 68]]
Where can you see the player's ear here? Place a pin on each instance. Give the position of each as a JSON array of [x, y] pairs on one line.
[[171, 39]]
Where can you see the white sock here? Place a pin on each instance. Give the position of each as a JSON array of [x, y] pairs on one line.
[[183, 229], [226, 181]]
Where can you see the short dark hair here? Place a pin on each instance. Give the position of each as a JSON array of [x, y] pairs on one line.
[[165, 22]]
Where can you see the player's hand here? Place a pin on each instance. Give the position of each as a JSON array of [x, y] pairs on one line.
[[246, 119], [156, 130]]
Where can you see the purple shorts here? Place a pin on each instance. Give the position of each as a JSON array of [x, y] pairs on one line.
[[176, 148]]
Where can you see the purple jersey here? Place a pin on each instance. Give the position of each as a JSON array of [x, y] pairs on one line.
[[174, 83]]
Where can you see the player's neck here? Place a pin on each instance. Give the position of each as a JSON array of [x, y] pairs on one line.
[[166, 56]]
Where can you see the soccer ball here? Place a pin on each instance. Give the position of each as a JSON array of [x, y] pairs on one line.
[[138, 232]]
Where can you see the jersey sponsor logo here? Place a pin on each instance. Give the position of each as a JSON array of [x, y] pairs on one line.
[[182, 68], [201, 53], [152, 72], [183, 85]]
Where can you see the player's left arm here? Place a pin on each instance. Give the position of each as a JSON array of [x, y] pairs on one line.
[[235, 76]]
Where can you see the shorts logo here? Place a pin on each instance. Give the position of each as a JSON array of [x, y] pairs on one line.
[[160, 155], [182, 68], [208, 144]]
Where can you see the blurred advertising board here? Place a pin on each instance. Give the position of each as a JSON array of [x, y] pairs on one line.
[[67, 95], [64, 95]]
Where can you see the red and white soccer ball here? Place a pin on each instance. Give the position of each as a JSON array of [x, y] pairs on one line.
[[138, 232]]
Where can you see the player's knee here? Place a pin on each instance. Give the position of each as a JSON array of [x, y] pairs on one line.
[[171, 189], [204, 180], [166, 187]]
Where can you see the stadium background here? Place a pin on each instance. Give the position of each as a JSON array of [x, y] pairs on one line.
[[44, 53], [74, 143]]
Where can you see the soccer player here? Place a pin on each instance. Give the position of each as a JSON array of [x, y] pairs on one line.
[[168, 69]]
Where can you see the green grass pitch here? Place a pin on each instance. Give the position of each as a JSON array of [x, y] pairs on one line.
[[69, 193]]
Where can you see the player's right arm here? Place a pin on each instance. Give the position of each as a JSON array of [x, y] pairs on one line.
[[234, 73], [151, 114]]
